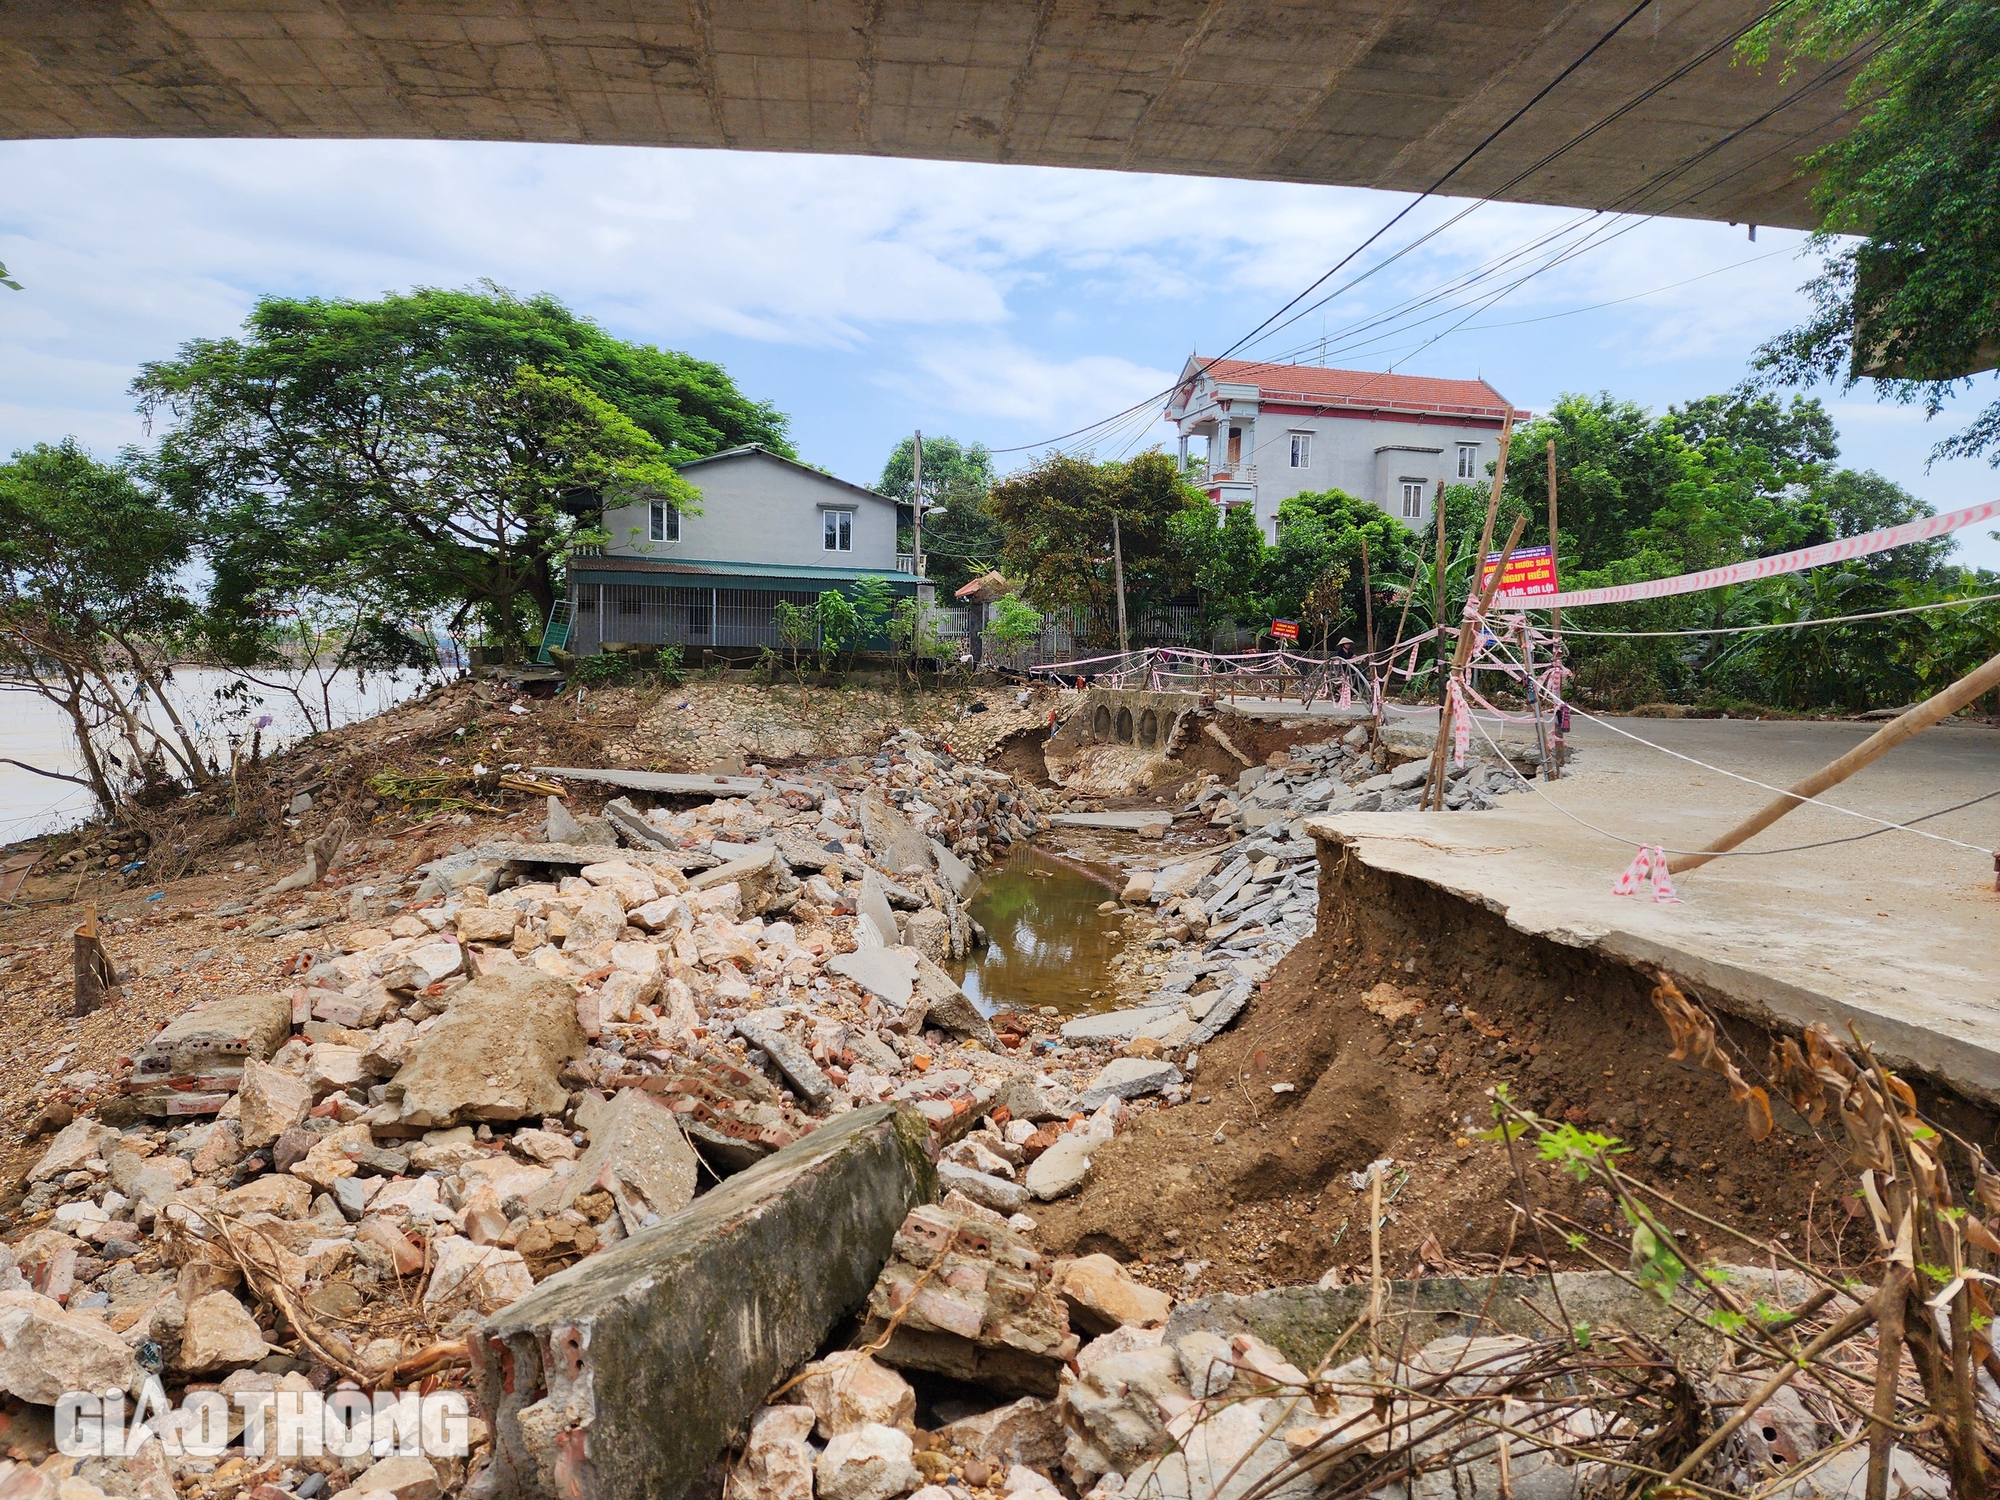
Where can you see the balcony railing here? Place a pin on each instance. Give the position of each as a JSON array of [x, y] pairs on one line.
[[906, 562]]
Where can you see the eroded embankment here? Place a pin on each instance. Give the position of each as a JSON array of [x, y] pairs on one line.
[[1382, 1036]]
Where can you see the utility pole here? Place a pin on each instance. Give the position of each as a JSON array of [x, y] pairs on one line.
[[1368, 599], [1118, 577], [917, 505]]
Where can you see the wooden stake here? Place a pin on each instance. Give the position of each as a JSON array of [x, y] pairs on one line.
[[1932, 710], [96, 975], [1552, 763], [1437, 588], [1367, 596], [1468, 633], [1118, 573]]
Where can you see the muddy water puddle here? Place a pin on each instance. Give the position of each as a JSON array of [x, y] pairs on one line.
[[1046, 942]]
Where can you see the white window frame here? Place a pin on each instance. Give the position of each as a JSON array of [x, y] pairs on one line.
[[1302, 450], [837, 530], [1468, 460], [663, 522], [1413, 490]]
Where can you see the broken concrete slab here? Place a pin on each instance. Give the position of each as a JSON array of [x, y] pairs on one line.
[[761, 877], [892, 838], [676, 784], [636, 1151], [948, 1007], [1128, 1078], [1063, 1168], [640, 1363], [872, 902], [953, 871], [1121, 1025], [631, 826], [45, 1351], [597, 852], [1127, 822], [561, 826], [889, 974], [988, 1191], [199, 1056], [791, 1059], [494, 1055], [1302, 1322]]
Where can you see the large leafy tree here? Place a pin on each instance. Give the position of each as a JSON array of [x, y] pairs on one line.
[[1223, 553], [1056, 520], [90, 591], [1315, 568], [1914, 304], [448, 445]]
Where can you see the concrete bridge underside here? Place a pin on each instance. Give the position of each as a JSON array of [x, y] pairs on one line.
[[1374, 93]]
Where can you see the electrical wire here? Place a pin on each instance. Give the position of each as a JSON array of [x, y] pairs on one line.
[[1632, 843], [1395, 218], [1878, 614]]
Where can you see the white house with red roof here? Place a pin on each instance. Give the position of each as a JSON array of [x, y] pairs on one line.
[[1276, 430]]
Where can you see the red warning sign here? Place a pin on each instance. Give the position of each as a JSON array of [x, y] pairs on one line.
[[1285, 630], [1531, 572]]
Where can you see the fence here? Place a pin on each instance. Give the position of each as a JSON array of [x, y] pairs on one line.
[[645, 615]]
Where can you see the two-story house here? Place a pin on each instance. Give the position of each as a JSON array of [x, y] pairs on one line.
[[1273, 431], [768, 529]]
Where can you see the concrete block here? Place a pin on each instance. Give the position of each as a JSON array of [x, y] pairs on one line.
[[640, 1363]]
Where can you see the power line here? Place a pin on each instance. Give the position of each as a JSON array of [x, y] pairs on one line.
[[1401, 213]]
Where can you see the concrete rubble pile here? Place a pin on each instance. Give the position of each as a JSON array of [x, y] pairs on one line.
[[543, 1049], [1345, 775]]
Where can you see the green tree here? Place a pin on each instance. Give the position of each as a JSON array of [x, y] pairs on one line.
[[1859, 501], [839, 627], [91, 601], [873, 599], [1915, 305], [1056, 518], [961, 539], [1314, 570], [1223, 552], [1014, 625], [409, 439], [457, 444]]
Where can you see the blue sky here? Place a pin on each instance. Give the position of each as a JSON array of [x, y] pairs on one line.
[[867, 297]]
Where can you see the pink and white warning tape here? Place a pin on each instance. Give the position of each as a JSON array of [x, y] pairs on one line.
[[1762, 567], [1646, 862]]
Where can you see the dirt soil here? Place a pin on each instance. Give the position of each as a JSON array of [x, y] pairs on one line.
[[1349, 1054], [1257, 738]]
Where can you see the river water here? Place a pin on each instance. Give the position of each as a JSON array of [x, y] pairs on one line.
[[36, 731], [1047, 943]]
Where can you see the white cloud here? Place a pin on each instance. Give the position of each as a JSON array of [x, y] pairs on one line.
[[869, 295], [1003, 380]]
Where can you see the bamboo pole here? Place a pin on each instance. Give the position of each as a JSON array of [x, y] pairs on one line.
[[1367, 596], [1464, 647], [1552, 764], [1932, 710], [1468, 633], [1437, 590]]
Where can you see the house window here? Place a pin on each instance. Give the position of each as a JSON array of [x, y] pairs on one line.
[[1468, 460], [1413, 499], [664, 522], [839, 533], [1302, 450]]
